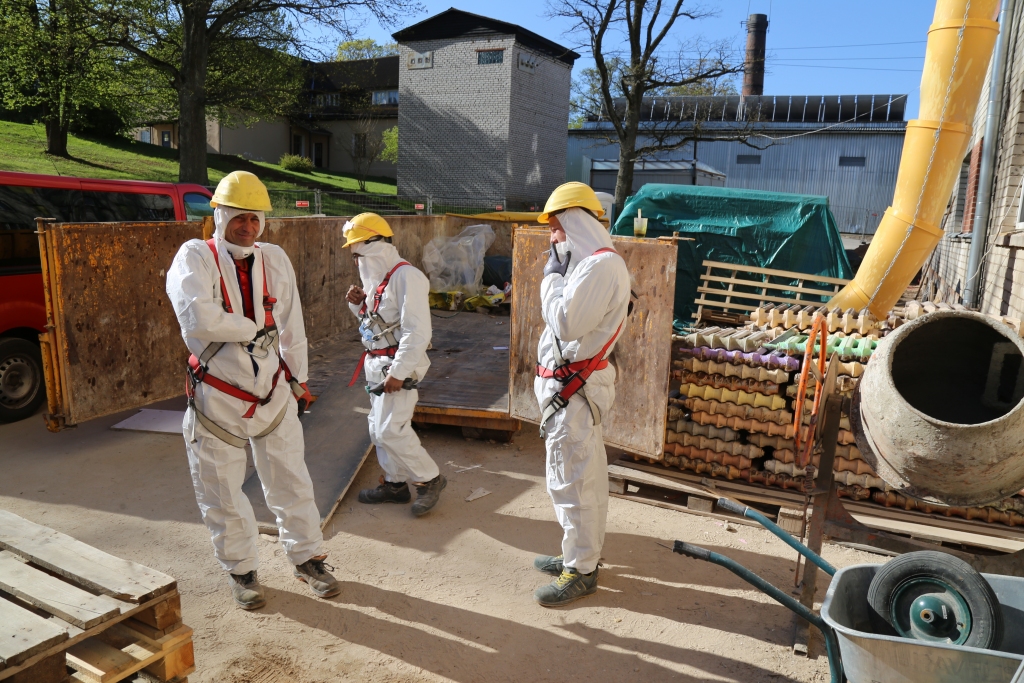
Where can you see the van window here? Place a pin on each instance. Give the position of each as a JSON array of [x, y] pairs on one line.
[[196, 206], [19, 208], [102, 207]]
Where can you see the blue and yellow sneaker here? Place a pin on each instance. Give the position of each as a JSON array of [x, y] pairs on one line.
[[568, 587]]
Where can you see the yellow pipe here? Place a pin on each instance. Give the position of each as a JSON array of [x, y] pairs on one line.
[[930, 163]]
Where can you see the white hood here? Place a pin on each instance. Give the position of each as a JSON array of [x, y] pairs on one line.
[[222, 215], [375, 260], [583, 234]]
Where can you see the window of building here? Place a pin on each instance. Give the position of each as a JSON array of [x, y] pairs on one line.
[[853, 161], [388, 98], [145, 136], [328, 100], [359, 145], [754, 159], [298, 145], [490, 56]]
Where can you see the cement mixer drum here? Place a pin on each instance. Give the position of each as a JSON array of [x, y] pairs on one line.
[[939, 412]]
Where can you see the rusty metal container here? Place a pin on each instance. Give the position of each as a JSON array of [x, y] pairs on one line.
[[938, 413]]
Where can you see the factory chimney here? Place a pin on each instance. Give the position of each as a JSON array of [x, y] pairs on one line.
[[753, 63]]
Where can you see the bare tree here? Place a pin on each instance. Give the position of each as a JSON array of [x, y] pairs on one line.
[[367, 146], [649, 64]]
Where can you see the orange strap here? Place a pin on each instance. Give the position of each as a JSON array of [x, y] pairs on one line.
[[378, 294], [268, 301]]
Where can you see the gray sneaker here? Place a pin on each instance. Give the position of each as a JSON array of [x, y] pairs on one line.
[[246, 590], [314, 573], [428, 494], [568, 587], [549, 565]]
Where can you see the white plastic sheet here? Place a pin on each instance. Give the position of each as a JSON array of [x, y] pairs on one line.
[[457, 263]]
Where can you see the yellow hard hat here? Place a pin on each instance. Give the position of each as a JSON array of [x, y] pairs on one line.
[[569, 195], [242, 190], [364, 227]]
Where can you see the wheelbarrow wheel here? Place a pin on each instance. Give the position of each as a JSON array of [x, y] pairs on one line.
[[936, 597]]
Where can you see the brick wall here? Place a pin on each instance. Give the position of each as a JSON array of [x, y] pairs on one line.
[[1002, 272], [538, 128], [485, 131], [453, 120]]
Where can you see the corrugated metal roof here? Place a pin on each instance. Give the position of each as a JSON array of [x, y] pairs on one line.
[[808, 164]]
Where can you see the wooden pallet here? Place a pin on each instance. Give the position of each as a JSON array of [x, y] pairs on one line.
[[729, 292], [66, 604]]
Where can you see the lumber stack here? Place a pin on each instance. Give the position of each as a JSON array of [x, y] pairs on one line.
[[731, 411], [71, 612]]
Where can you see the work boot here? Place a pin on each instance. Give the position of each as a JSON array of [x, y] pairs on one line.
[[314, 573], [568, 587], [387, 492], [549, 565], [246, 590], [427, 495]]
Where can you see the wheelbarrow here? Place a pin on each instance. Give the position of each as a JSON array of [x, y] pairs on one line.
[[921, 642]]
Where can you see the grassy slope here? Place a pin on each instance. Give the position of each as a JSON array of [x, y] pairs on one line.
[[21, 149]]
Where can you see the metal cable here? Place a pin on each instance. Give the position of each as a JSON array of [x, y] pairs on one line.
[[931, 158]]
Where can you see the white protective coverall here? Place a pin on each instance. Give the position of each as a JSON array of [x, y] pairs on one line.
[[398, 447], [582, 310], [218, 468]]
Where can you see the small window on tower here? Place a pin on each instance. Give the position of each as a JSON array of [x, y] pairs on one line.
[[490, 56], [748, 158], [853, 161]]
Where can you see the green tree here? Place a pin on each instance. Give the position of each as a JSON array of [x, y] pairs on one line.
[[235, 57], [53, 62], [390, 152], [365, 48]]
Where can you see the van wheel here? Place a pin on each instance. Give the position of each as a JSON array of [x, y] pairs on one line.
[[21, 379]]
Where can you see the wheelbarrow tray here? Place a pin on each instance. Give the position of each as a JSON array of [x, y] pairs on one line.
[[871, 658]]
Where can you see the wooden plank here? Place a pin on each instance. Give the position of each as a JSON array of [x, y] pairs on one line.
[[53, 669], [646, 500], [759, 284], [24, 634], [469, 363], [57, 597], [779, 273], [99, 662], [757, 297], [79, 562], [163, 614], [76, 635], [642, 355]]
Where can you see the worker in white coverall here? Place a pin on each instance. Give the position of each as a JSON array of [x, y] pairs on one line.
[[584, 302], [239, 311], [394, 313]]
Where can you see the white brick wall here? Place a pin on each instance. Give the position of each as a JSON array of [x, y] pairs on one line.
[[486, 131]]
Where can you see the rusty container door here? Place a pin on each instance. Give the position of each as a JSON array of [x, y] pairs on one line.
[[113, 342], [642, 355]]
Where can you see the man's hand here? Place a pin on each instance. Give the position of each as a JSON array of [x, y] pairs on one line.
[[555, 265], [391, 385], [355, 295]]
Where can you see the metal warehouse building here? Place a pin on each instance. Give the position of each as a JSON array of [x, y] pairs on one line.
[[846, 147]]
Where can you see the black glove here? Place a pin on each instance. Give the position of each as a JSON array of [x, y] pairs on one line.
[[302, 406], [554, 265]]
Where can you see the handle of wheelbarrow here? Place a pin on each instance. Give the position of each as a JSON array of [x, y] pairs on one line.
[[835, 663], [745, 511]]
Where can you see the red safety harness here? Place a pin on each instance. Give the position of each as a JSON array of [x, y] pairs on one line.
[[378, 295], [574, 376], [197, 367]]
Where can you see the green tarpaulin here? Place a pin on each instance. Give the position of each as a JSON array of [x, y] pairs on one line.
[[747, 227]]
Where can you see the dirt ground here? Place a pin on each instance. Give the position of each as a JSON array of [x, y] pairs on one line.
[[443, 598]]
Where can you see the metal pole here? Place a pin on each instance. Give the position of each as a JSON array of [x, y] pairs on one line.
[[983, 212]]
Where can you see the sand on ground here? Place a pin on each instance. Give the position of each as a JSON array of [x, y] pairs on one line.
[[447, 597]]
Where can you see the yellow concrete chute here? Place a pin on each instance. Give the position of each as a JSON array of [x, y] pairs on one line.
[[960, 42]]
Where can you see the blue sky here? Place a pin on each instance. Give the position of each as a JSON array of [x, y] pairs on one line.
[[825, 25]]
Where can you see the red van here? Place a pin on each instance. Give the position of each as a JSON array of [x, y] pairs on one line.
[[23, 198]]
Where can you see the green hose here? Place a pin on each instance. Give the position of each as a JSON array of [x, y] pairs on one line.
[[835, 663]]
